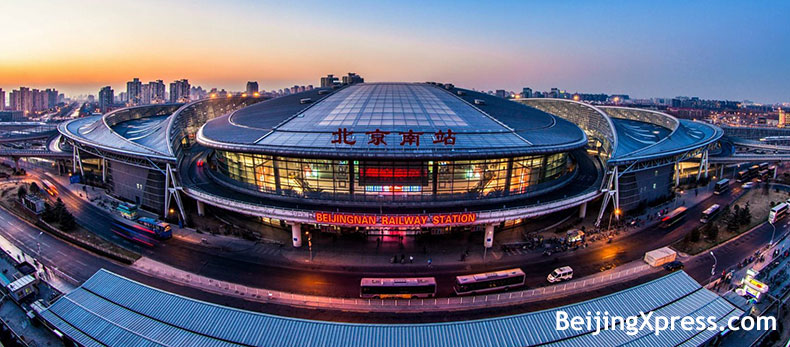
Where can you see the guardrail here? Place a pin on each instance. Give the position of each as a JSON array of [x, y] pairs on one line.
[[458, 303]]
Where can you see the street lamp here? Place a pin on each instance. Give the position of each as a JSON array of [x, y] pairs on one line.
[[713, 268], [772, 235], [38, 246]]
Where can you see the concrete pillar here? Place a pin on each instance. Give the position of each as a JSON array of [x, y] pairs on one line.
[[104, 170], [488, 240], [583, 210], [201, 208], [296, 233]]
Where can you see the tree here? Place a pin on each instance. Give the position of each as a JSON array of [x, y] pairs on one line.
[[34, 188], [49, 214], [733, 219], [712, 231], [66, 221], [745, 216], [695, 234], [21, 192]]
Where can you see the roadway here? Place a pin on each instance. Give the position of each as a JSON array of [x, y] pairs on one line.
[[259, 271]]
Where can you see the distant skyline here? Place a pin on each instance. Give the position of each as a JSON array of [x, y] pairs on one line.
[[730, 50]]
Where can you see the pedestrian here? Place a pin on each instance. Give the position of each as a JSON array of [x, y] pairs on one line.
[[429, 262], [411, 259]]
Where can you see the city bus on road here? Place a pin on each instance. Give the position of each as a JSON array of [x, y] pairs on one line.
[[397, 288], [162, 230], [722, 186], [48, 187], [710, 213], [778, 212], [489, 281], [742, 176], [673, 217], [134, 233], [753, 170]]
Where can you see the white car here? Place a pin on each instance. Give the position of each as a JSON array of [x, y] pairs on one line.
[[748, 185]]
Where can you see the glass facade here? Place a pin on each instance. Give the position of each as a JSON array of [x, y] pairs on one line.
[[385, 181]]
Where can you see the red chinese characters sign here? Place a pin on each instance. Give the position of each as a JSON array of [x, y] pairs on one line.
[[378, 137], [406, 220]]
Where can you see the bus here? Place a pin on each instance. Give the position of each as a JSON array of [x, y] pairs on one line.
[[48, 187], [162, 230], [127, 211], [763, 166], [673, 217], [397, 288], [134, 233], [778, 212], [742, 176], [710, 213], [753, 170], [722, 186], [763, 175], [489, 281]]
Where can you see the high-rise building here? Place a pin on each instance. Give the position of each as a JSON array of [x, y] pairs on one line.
[[252, 87], [51, 97], [2, 99], [179, 91], [526, 92], [352, 78], [156, 89], [782, 119], [328, 81], [106, 99], [134, 90], [145, 94], [22, 100]]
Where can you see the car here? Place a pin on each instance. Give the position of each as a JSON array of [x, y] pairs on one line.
[[674, 265], [748, 185]]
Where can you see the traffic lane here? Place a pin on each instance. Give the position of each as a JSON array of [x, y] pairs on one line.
[[91, 217], [730, 254], [55, 252], [247, 269]]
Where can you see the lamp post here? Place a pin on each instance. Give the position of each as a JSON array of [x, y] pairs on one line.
[[38, 246], [712, 268], [772, 235]]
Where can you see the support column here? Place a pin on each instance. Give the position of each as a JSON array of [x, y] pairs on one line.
[[16, 163], [677, 174], [583, 210], [201, 208], [104, 170], [488, 240], [296, 233]]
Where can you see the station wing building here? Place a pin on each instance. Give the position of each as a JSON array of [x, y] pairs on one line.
[[389, 158]]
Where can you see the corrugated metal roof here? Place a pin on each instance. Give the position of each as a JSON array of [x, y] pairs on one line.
[[110, 309]]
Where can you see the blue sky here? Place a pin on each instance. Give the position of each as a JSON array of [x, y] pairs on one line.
[[722, 49]]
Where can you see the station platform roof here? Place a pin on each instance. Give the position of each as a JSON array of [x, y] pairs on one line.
[[109, 309]]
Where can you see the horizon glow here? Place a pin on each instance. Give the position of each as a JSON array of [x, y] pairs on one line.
[[714, 50]]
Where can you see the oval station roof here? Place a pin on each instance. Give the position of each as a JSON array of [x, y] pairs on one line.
[[293, 125]]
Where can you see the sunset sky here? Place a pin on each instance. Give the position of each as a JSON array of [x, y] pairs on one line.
[[719, 49]]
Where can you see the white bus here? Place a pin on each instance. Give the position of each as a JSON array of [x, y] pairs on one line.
[[398, 288], [489, 281], [710, 213], [778, 212]]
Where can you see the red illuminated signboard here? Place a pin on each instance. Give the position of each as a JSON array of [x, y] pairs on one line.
[[395, 220]]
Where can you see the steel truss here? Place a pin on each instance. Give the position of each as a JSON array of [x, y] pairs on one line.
[[611, 189], [172, 185]]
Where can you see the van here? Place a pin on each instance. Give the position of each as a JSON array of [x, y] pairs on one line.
[[560, 274]]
